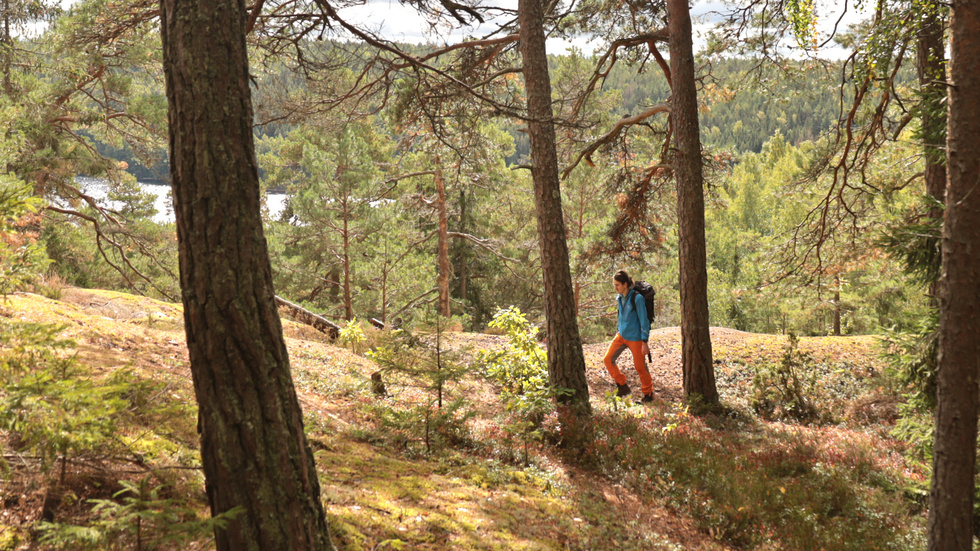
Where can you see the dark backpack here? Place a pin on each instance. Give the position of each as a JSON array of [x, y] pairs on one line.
[[648, 293]]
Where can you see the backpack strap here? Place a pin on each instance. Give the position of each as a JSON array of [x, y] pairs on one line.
[[639, 320], [635, 311]]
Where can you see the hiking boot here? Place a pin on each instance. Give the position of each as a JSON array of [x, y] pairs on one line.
[[647, 398], [622, 390]]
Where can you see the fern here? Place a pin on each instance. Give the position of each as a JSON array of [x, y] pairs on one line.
[[137, 517]]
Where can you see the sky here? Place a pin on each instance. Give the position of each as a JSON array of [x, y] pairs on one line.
[[402, 24]]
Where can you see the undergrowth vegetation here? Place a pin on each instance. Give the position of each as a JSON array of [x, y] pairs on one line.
[[427, 439], [763, 482], [99, 448], [751, 486], [423, 362]]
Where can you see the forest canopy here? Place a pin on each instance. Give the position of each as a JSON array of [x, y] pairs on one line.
[[362, 246]]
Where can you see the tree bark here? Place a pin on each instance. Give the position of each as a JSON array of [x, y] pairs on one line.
[[698, 371], [462, 259], [6, 49], [837, 311], [334, 284], [384, 288], [566, 361], [253, 449], [951, 496], [348, 295], [442, 278], [931, 68]]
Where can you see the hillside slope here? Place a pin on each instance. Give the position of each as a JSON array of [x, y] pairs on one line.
[[478, 488]]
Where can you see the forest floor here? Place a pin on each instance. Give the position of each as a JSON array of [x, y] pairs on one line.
[[477, 487]]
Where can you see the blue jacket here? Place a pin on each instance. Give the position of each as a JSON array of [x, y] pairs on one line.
[[634, 325]]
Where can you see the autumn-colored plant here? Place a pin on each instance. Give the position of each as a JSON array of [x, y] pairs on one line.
[[21, 257], [809, 488]]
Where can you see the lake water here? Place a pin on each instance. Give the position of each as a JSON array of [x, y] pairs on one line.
[[165, 213]]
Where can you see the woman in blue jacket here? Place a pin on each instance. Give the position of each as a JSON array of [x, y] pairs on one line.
[[633, 332]]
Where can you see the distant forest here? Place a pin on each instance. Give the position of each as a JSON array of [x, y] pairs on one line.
[[743, 106]]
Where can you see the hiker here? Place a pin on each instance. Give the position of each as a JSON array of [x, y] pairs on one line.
[[633, 332]]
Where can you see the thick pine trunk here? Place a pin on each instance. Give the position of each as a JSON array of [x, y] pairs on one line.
[[698, 371], [253, 448], [951, 497], [566, 362]]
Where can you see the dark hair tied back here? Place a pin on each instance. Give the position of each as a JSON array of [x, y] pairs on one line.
[[623, 277]]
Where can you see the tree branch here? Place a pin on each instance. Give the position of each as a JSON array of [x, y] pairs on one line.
[[622, 123]]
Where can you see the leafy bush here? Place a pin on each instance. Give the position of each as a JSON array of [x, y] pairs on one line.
[[351, 335], [521, 370]]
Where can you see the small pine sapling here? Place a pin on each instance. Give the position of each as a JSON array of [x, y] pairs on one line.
[[423, 361], [48, 401], [783, 390], [352, 335]]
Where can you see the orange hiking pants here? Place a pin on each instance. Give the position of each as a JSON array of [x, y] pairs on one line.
[[616, 348]]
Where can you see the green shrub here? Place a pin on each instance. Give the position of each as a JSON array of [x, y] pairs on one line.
[[46, 400], [913, 358], [784, 390], [351, 335], [521, 370], [805, 489], [425, 427], [57, 411]]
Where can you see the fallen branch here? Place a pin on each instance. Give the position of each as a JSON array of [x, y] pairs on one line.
[[316, 321]]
